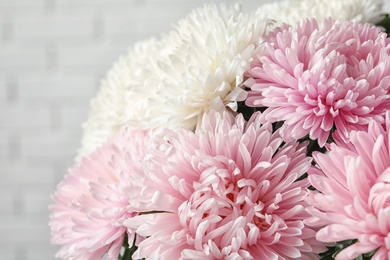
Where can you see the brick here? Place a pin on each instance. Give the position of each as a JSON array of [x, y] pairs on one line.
[[10, 146], [48, 148], [35, 251], [40, 149], [98, 71], [34, 192], [27, 173], [65, 25], [18, 208], [4, 148], [54, 87], [138, 23], [58, 89], [12, 88], [87, 56], [12, 204], [134, 27], [20, 233], [6, 29], [74, 117], [22, 117], [3, 89], [6, 205], [14, 58], [48, 103], [37, 204]]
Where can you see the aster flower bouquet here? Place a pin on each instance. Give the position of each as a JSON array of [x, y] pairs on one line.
[[239, 136]]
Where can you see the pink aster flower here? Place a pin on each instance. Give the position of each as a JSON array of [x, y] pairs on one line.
[[354, 197], [228, 191], [317, 77], [91, 203]]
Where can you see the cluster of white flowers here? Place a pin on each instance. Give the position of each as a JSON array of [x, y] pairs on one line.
[[199, 66], [173, 80]]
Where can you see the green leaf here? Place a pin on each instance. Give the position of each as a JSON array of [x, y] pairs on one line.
[[385, 23]]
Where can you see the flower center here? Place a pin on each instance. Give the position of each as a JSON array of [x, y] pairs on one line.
[[227, 209]]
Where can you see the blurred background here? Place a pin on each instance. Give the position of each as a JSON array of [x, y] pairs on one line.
[[53, 55]]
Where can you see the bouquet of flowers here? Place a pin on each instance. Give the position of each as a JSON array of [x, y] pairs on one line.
[[239, 136]]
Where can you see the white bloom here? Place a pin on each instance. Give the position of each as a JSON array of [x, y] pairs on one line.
[[197, 66], [292, 11], [107, 107]]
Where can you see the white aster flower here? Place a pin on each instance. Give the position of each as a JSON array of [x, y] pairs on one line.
[[199, 67], [292, 11], [107, 107], [196, 67]]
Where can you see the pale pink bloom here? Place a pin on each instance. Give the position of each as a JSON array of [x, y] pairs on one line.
[[353, 201], [94, 199], [320, 76], [228, 191]]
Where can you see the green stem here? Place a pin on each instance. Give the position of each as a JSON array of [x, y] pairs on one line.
[[128, 254], [129, 251]]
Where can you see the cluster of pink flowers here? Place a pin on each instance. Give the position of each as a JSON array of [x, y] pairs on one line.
[[316, 77], [246, 184], [353, 198]]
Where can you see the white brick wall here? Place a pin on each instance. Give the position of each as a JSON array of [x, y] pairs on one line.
[[53, 54]]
